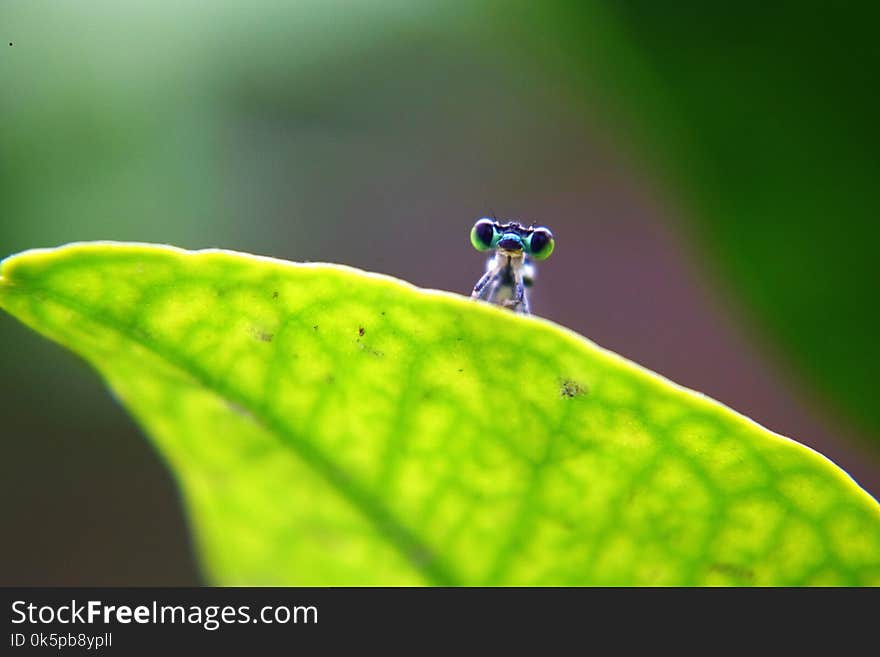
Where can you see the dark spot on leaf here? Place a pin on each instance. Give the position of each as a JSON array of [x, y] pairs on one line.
[[315, 327], [374, 352], [383, 313], [238, 409], [421, 556], [261, 335], [570, 388], [739, 572], [275, 294], [361, 331], [460, 369], [631, 495], [141, 334]]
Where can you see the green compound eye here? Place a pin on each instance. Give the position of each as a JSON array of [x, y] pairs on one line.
[[541, 243], [483, 235]]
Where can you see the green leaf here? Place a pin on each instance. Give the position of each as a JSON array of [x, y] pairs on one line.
[[329, 426]]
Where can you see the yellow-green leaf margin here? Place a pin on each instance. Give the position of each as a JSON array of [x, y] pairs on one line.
[[329, 426]]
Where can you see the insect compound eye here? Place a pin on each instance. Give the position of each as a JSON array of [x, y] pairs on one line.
[[483, 235], [541, 243]]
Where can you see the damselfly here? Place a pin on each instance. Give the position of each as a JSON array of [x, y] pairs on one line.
[[509, 270]]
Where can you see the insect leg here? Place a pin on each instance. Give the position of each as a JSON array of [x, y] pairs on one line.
[[524, 300], [482, 289], [520, 302], [490, 292], [481, 285]]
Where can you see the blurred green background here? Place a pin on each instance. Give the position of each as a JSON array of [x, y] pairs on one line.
[[710, 171]]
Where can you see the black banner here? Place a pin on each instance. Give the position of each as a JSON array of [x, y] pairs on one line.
[[136, 620]]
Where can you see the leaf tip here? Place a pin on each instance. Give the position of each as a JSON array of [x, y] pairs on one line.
[[11, 263], [5, 276]]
